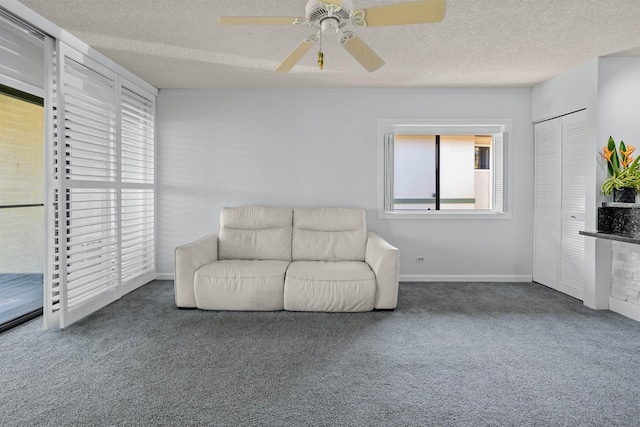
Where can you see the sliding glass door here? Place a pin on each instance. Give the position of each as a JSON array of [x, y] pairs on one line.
[[22, 170], [21, 206]]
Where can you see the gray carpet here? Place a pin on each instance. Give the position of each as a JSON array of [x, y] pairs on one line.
[[452, 354]]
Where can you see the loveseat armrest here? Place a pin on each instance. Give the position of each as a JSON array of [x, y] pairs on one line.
[[384, 261], [188, 259]]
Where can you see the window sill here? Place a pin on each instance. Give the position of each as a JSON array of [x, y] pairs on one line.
[[457, 214]]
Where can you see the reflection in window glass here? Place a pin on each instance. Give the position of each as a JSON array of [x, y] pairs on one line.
[[462, 180], [414, 172]]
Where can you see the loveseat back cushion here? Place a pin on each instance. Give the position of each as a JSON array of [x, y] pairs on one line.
[[329, 234], [255, 233]]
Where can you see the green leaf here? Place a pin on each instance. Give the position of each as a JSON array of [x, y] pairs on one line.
[[623, 148], [633, 165], [614, 164]]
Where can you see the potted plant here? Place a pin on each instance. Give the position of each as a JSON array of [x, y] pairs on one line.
[[624, 172]]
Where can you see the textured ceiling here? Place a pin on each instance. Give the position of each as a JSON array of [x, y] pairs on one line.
[[497, 43]]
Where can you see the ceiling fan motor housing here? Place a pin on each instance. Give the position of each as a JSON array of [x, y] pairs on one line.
[[337, 16]]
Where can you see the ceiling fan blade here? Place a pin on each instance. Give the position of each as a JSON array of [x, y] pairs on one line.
[[297, 54], [361, 52], [417, 12], [258, 20]]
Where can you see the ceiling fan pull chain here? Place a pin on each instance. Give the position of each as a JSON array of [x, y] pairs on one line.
[[320, 54]]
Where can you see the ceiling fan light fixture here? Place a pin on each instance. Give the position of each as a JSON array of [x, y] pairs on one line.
[[329, 25], [317, 12]]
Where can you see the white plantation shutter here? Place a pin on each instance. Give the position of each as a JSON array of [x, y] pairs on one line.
[[498, 166], [137, 196], [52, 273], [90, 121], [87, 189], [137, 138], [92, 237], [101, 188], [388, 172], [138, 253]]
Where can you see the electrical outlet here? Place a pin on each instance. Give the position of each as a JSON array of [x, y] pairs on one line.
[[420, 259]]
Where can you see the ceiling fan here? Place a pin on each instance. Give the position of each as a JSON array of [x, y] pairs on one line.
[[339, 17]]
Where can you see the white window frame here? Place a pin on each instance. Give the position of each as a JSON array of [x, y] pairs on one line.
[[450, 127]]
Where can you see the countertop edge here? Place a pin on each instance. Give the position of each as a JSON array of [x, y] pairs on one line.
[[611, 236]]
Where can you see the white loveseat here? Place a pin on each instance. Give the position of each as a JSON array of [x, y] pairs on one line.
[[279, 258]]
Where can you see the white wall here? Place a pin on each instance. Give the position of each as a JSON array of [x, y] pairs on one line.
[[319, 147], [570, 91], [619, 100]]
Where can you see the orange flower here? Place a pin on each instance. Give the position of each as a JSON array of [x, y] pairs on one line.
[[606, 153], [630, 149], [626, 155]]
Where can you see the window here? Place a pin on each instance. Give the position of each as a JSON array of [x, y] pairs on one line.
[[448, 169], [482, 156]]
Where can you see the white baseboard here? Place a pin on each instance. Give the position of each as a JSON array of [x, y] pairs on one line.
[[627, 309], [465, 278], [428, 278]]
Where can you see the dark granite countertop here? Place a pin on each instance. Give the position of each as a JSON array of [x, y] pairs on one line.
[[627, 238]]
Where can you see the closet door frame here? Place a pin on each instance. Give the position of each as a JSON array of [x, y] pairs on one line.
[[558, 248]]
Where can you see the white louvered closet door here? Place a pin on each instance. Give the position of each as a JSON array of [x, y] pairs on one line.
[[560, 203], [87, 240], [573, 204], [547, 203]]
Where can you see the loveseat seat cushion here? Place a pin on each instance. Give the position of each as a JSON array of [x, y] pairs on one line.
[[255, 232], [329, 234], [329, 286], [240, 285]]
